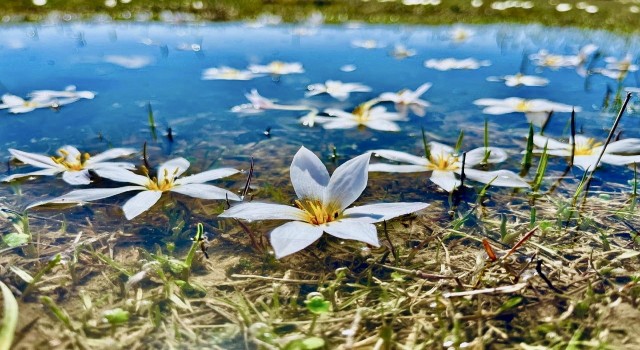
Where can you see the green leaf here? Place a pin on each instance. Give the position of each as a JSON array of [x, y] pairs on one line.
[[15, 239], [10, 318], [313, 343], [510, 304], [116, 316], [316, 304]]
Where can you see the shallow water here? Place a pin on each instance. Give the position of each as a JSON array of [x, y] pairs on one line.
[[206, 131]]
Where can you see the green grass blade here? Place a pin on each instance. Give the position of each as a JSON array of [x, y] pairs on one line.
[[10, 318]]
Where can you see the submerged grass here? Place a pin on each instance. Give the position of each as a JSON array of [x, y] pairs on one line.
[[552, 283]]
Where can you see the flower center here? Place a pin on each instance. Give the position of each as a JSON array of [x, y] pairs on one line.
[[277, 67], [30, 104], [523, 106], [316, 213], [71, 163], [167, 183], [585, 148], [230, 73], [361, 113], [443, 161], [551, 60]]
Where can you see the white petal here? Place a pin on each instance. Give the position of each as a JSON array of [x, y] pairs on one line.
[[347, 182], [140, 203], [69, 152], [445, 179], [87, 195], [339, 113], [497, 110], [208, 175], [615, 159], [340, 123], [309, 176], [389, 96], [393, 168], [293, 237], [422, 89], [36, 160], [624, 146], [355, 230], [121, 175], [263, 211], [204, 191], [541, 141], [382, 211], [439, 148], [172, 168], [21, 109], [503, 178], [382, 125], [12, 100], [475, 156], [537, 118], [111, 154], [76, 177], [104, 165], [398, 156], [586, 163], [44, 172]]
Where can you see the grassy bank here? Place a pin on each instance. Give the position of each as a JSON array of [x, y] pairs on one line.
[[611, 15]]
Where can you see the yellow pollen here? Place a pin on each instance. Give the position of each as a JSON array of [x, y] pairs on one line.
[[523, 106], [154, 184], [277, 66], [586, 148], [443, 161], [361, 113], [316, 213], [76, 164]]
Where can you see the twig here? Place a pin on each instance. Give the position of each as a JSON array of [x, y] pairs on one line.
[[545, 278]]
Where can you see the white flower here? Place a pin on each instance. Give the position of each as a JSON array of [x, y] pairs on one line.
[[520, 79], [400, 51], [151, 189], [228, 73], [129, 62], [587, 150], [536, 111], [444, 163], [452, 63], [277, 68], [336, 89], [546, 59], [460, 34], [73, 165], [258, 103], [68, 95], [322, 205], [376, 118], [367, 44], [17, 104], [617, 69], [408, 98]]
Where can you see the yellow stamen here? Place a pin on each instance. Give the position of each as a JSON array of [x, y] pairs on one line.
[[585, 148], [76, 164], [443, 161], [523, 106], [316, 213]]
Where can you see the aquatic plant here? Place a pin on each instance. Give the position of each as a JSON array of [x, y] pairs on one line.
[[336, 89], [536, 110], [453, 63], [444, 163], [151, 189], [408, 99], [73, 164], [365, 115], [322, 205], [586, 150]]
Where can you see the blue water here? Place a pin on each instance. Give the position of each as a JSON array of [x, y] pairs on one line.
[[51, 57]]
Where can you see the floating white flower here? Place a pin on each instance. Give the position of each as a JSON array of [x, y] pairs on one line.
[[151, 189], [73, 165], [336, 89], [444, 163], [400, 52], [545, 59], [367, 44], [277, 68], [258, 103], [587, 150], [617, 69], [68, 95], [536, 111], [520, 79], [408, 99], [228, 73], [365, 115], [129, 62], [17, 104], [322, 206], [452, 63]]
